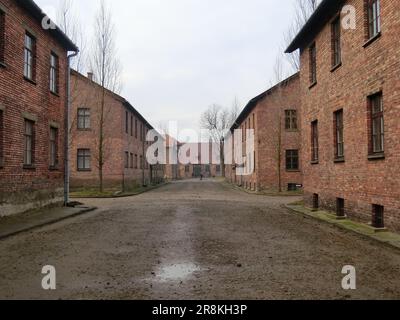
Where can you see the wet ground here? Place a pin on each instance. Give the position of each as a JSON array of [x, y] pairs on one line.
[[195, 240]]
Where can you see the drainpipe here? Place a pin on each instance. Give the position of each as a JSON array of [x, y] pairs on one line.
[[67, 124]]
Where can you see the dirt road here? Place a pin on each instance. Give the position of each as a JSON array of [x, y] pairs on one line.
[[195, 240]]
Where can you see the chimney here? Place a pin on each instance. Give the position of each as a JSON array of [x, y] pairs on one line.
[[90, 76]]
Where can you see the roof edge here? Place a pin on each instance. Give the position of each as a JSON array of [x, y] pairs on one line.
[[326, 10], [35, 11], [121, 99], [253, 102]]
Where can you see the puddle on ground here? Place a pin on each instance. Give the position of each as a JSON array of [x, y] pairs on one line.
[[176, 272]]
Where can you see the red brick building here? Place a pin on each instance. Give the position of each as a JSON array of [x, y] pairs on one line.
[[125, 145], [33, 69], [274, 117], [350, 88], [195, 168]]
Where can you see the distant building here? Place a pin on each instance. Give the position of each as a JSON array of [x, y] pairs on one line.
[[274, 117], [200, 166], [33, 99], [125, 145], [350, 89]]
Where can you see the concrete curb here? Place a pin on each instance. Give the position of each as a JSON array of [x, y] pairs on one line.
[[258, 193], [123, 195], [46, 223], [386, 238]]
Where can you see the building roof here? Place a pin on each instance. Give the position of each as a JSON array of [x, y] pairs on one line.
[[35, 11], [170, 141], [116, 96], [324, 12], [253, 102]]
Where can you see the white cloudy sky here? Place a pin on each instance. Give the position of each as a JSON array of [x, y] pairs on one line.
[[180, 56]]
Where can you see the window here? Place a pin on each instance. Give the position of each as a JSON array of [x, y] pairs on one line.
[[313, 64], [83, 119], [53, 73], [136, 161], [29, 54], [141, 132], [377, 139], [126, 122], [131, 161], [84, 159], [187, 169], [292, 159], [131, 126], [218, 168], [378, 216], [339, 137], [1, 139], [336, 45], [141, 162], [291, 119], [2, 35], [340, 210], [373, 17], [315, 201], [126, 160], [136, 129], [53, 147], [314, 142], [292, 187], [29, 143]]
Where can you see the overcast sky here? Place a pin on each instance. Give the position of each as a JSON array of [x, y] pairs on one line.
[[180, 56]]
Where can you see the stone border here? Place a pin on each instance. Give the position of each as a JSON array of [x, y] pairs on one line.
[[122, 195], [382, 236], [51, 220], [261, 193]]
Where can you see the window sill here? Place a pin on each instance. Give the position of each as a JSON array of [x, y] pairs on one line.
[[339, 160], [378, 156], [293, 170], [315, 162], [292, 130], [373, 39], [3, 65], [334, 68], [312, 85], [30, 80], [56, 168], [79, 129], [29, 167], [54, 94], [84, 170]]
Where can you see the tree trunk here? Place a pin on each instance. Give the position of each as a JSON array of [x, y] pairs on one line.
[[280, 155], [222, 157], [101, 140]]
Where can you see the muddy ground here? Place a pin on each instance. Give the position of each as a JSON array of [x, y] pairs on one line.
[[195, 240]]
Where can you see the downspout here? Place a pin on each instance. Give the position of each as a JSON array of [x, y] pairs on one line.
[[143, 158], [67, 124]]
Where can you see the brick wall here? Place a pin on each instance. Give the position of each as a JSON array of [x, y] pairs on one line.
[[182, 171], [25, 188], [118, 140], [365, 70], [267, 118]]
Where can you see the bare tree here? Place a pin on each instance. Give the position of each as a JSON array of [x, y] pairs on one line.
[[218, 120], [69, 22], [303, 10], [106, 69]]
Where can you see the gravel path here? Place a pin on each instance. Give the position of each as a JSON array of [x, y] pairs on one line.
[[195, 240]]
